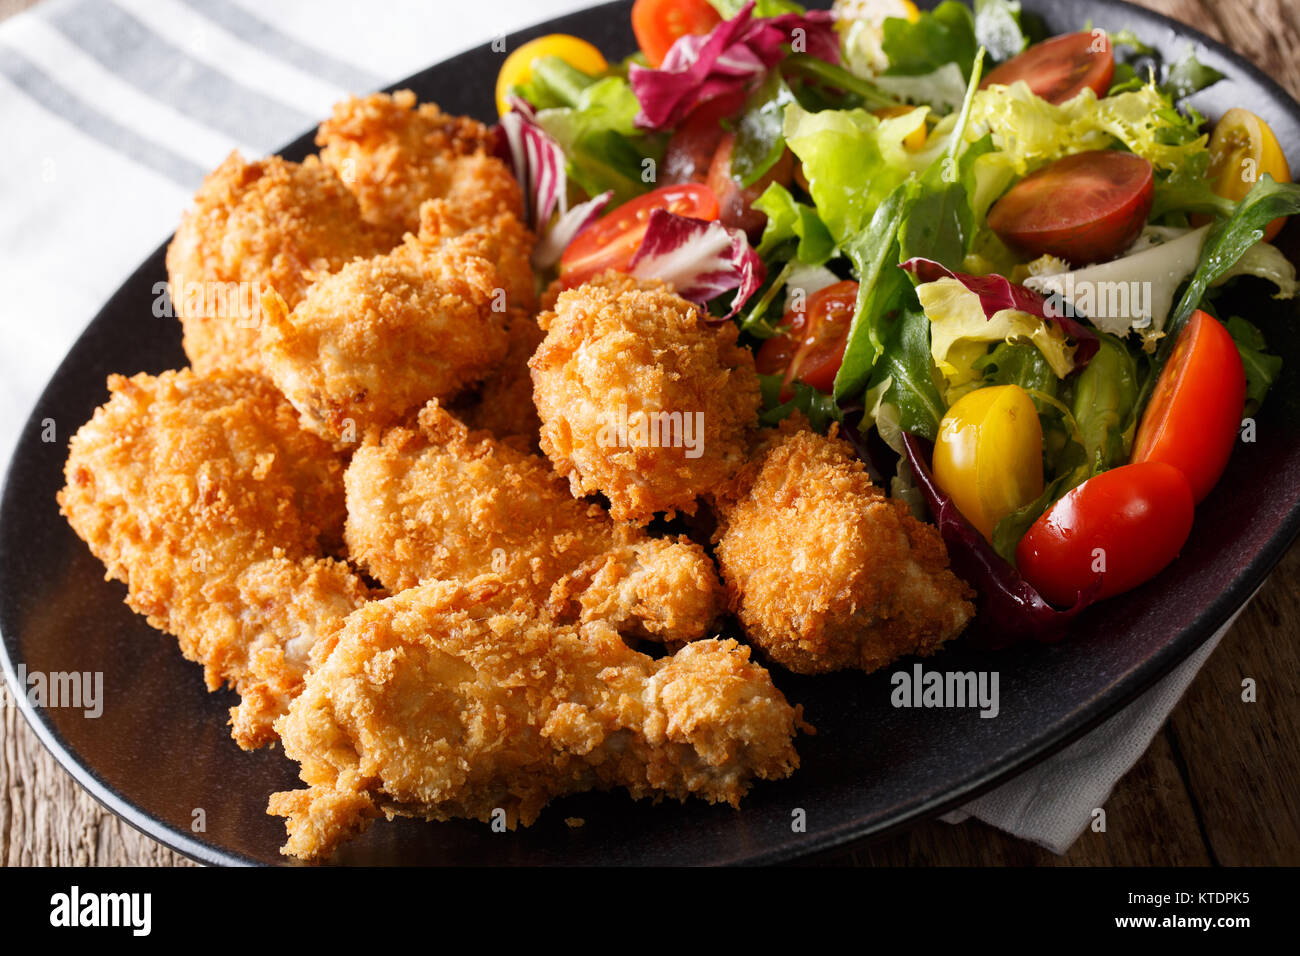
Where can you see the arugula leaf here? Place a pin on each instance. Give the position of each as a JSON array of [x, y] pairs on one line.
[[1229, 239], [997, 28], [818, 407], [862, 92], [939, 223], [1262, 369], [760, 139], [946, 35], [1105, 404], [874, 253], [789, 219], [903, 381], [1187, 76], [1015, 363]]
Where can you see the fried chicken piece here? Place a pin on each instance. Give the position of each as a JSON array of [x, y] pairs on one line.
[[449, 701], [265, 224], [503, 406], [395, 155], [379, 338], [445, 503], [658, 589], [208, 501], [640, 398], [823, 570], [495, 234]]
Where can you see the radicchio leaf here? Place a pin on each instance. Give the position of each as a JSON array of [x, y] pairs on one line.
[[701, 259], [538, 164], [726, 62], [997, 293], [1010, 610], [551, 246]]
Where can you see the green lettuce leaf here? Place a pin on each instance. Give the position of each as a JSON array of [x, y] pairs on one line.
[[788, 219]]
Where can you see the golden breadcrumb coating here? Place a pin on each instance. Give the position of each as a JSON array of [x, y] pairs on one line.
[[395, 155], [640, 398], [823, 570], [498, 236], [660, 589], [268, 224], [445, 503], [372, 343], [449, 701], [205, 497], [504, 405]]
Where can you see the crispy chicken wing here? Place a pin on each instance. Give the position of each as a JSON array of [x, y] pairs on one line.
[[449, 701], [395, 155], [256, 226], [445, 503], [372, 343], [640, 398], [205, 497], [823, 570]]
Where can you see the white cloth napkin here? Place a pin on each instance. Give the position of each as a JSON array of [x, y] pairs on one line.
[[113, 111]]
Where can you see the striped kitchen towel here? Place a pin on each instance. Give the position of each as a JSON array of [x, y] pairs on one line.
[[113, 110]]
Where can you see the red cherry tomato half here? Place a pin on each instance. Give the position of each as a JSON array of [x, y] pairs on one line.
[[810, 347], [1060, 68], [658, 24], [1122, 527], [736, 202], [612, 240], [1192, 419], [1085, 208]]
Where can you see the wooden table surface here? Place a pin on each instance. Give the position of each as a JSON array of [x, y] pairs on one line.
[[1219, 785]]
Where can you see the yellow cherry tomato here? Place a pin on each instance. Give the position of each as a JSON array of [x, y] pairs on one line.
[[915, 140], [989, 454], [1242, 149], [518, 67]]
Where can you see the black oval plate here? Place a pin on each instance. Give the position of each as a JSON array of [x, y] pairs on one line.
[[161, 753]]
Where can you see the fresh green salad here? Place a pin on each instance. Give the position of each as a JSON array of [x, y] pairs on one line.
[[991, 256]]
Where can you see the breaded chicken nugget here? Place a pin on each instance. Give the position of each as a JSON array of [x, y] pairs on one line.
[[449, 701], [499, 237], [640, 398], [660, 589], [266, 224], [205, 497], [504, 405], [444, 503], [823, 570], [395, 156], [372, 343]]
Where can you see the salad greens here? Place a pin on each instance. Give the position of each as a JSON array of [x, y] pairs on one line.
[[899, 156]]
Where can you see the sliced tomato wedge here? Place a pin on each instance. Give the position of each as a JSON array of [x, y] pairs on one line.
[[1060, 69], [612, 240], [1195, 410], [810, 346], [658, 24], [1112, 533], [1085, 208]]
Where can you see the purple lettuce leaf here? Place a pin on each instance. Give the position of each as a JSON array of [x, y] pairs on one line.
[[727, 61], [997, 293], [701, 259], [1010, 610]]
